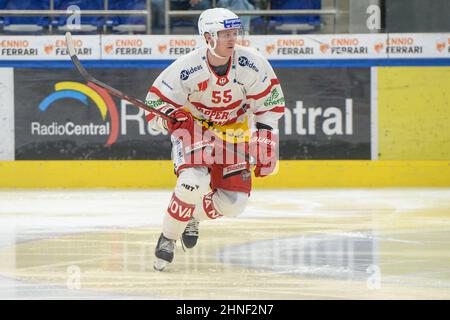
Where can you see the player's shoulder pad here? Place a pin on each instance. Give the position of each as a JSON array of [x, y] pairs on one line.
[[250, 59], [190, 66]]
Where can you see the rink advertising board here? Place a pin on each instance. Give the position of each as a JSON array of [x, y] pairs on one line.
[[354, 46], [6, 114], [30, 48], [333, 112], [275, 47], [141, 47], [59, 117], [413, 113], [327, 113]]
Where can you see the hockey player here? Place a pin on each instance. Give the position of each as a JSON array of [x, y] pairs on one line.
[[217, 92]]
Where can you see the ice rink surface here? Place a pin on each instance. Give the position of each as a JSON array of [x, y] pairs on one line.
[[289, 244]]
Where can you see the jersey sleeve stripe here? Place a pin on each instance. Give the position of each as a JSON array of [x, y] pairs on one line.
[[265, 92], [149, 117], [163, 97], [276, 109]]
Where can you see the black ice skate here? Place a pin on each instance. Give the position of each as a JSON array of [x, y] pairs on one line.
[[164, 252], [190, 235]]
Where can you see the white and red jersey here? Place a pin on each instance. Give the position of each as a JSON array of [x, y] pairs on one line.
[[249, 86]]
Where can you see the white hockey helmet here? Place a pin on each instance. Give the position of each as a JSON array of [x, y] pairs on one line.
[[215, 20]]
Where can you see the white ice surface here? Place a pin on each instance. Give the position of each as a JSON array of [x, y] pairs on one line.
[[29, 215]]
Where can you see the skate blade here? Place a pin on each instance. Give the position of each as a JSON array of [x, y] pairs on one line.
[[160, 264]]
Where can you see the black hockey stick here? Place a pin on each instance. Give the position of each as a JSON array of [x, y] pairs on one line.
[[89, 78], [138, 103]]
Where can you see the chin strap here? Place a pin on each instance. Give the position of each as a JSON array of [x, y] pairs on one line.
[[212, 49]]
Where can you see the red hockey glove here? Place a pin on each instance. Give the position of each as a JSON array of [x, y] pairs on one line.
[[263, 148], [184, 121]]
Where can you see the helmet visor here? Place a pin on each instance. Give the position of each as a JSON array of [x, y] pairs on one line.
[[230, 34]]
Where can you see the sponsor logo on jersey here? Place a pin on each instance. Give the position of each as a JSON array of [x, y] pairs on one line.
[[202, 86], [214, 115], [221, 81], [274, 99], [155, 104], [234, 169], [232, 23], [244, 62], [184, 75]]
